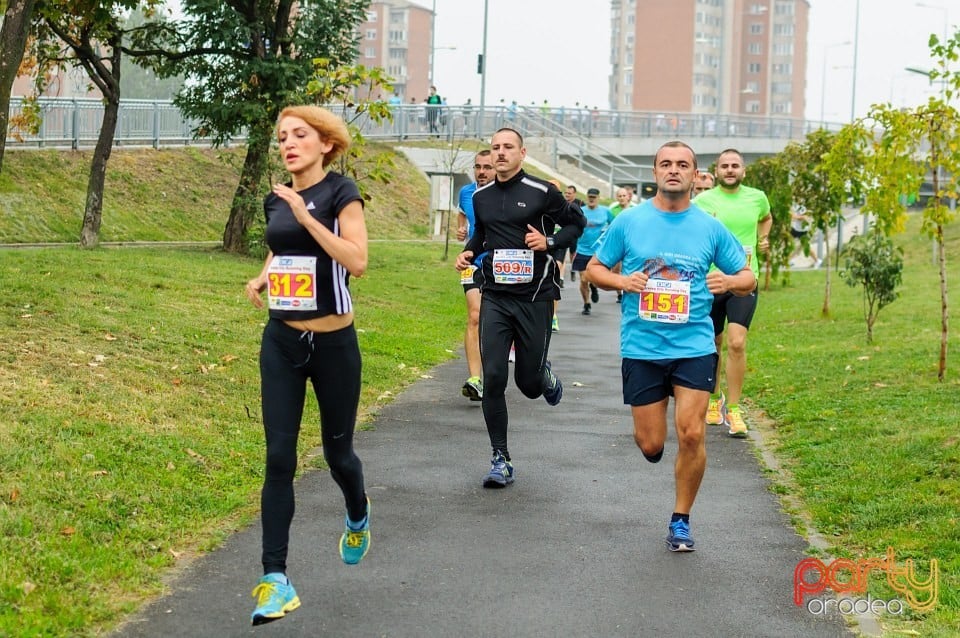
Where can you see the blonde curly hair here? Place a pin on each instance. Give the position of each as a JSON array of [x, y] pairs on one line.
[[330, 127]]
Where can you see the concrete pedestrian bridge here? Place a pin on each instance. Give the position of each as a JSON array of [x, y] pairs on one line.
[[603, 148], [587, 147]]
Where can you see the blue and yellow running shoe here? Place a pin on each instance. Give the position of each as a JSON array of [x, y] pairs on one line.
[[355, 541], [275, 596]]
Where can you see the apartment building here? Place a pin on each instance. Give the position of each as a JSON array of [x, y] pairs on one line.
[[397, 37], [709, 56]]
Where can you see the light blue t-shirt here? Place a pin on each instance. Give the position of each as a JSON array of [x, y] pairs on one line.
[[597, 220], [466, 206], [675, 249]]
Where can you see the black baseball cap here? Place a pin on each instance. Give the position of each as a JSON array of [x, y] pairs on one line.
[[593, 191]]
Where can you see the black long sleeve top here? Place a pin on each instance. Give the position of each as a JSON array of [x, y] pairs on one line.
[[503, 210]]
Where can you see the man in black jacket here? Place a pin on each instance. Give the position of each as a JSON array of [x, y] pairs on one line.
[[516, 215]]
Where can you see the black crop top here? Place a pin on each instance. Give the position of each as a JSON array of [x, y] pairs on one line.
[[287, 238]]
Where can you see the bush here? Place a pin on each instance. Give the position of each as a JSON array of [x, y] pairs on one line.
[[873, 262]]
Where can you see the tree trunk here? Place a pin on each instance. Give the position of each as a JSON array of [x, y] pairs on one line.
[[93, 212], [825, 311], [246, 199], [944, 332], [13, 40]]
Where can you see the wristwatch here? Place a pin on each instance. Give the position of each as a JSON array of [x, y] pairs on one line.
[[550, 243]]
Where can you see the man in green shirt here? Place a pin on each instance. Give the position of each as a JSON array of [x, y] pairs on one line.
[[745, 211], [623, 201]]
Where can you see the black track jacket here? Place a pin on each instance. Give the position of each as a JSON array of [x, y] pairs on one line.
[[503, 210]]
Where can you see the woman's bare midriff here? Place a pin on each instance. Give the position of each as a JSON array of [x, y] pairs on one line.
[[330, 323]]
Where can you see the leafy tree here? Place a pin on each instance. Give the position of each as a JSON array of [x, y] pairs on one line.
[[772, 176], [89, 34], [872, 261], [916, 143], [335, 87], [822, 187], [13, 41], [906, 146], [246, 60], [139, 82], [883, 183]]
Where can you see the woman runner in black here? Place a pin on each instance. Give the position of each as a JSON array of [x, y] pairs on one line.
[[317, 239]]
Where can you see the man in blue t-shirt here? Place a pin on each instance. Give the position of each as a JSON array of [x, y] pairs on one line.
[[598, 217], [666, 246], [483, 172]]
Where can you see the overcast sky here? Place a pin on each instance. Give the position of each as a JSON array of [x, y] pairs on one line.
[[537, 50]]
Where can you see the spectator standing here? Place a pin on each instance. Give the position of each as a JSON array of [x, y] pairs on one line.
[[467, 110], [433, 103]]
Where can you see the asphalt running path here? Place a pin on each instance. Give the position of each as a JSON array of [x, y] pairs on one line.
[[574, 547]]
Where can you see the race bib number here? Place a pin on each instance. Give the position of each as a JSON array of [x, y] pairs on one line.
[[292, 283], [466, 275], [666, 301], [513, 266]]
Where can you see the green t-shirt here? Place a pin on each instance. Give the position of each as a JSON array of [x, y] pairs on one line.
[[740, 212]]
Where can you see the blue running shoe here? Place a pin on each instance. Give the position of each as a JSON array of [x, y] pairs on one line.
[[501, 471], [554, 389], [355, 543], [679, 538], [275, 596]]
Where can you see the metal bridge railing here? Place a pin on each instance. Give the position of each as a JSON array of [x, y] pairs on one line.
[[75, 123]]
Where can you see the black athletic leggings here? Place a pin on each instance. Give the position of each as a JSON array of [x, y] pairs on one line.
[[331, 361], [506, 319]]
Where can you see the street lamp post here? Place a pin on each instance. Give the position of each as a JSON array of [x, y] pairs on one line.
[[823, 77], [938, 177], [433, 32], [929, 75], [483, 74], [946, 19], [946, 16], [433, 47], [856, 47]]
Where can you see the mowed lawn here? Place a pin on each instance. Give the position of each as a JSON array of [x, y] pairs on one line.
[[130, 438], [869, 437], [130, 434]]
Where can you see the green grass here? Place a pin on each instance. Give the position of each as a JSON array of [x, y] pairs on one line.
[[125, 368], [868, 434], [168, 194], [142, 371]]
